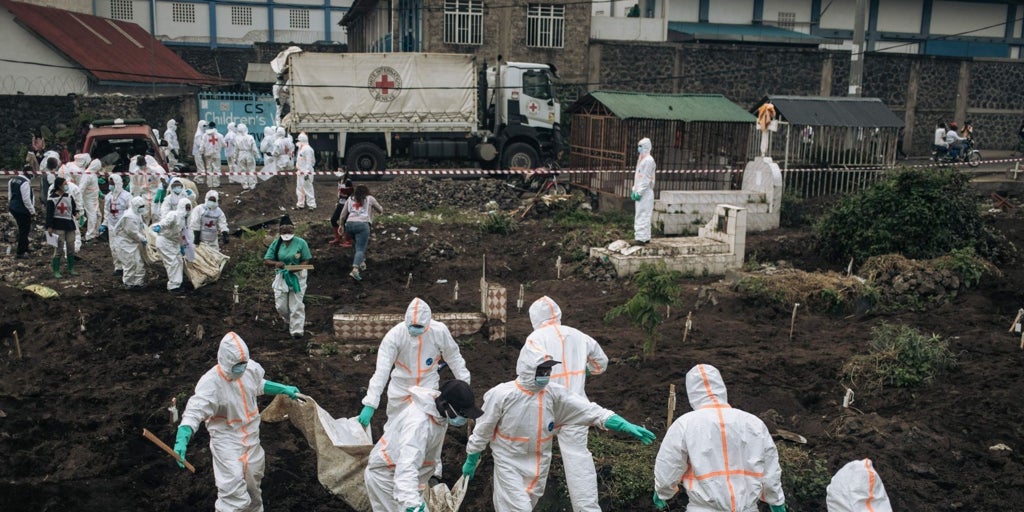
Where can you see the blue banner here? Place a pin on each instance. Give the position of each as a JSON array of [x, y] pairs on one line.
[[256, 111]]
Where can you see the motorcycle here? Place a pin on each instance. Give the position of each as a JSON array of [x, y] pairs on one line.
[[965, 155]]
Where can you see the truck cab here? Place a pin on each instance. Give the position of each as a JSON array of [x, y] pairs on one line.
[[526, 118]]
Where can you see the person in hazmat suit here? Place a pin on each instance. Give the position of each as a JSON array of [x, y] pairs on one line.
[[581, 356], [289, 285], [643, 192], [229, 150], [402, 461], [178, 191], [90, 186], [197, 151], [117, 202], [154, 179], [172, 243], [305, 160], [267, 148], [284, 150], [725, 457], [209, 223], [127, 241], [245, 156], [225, 400], [411, 353], [857, 488], [520, 420], [213, 144], [173, 147]]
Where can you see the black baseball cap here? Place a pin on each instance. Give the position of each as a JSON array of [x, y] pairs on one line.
[[459, 395], [548, 364]]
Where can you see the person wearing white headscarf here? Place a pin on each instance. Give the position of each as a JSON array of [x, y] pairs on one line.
[[267, 148], [117, 202], [245, 156], [197, 152], [643, 192], [173, 147], [857, 488], [305, 160], [90, 186], [225, 401], [128, 240]]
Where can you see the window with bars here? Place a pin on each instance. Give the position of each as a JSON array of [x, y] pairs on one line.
[[545, 25], [183, 13], [241, 15], [787, 20], [121, 10], [463, 21], [298, 18]]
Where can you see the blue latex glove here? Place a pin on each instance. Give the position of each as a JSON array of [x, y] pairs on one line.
[[778, 508], [182, 250], [635, 196], [618, 424], [365, 415], [103, 229], [181, 443], [156, 229], [659, 503], [421, 508], [274, 388], [469, 468]]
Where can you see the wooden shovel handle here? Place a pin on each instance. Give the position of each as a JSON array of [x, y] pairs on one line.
[[156, 440], [294, 268]]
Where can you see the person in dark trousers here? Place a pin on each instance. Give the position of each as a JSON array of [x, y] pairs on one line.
[[341, 238], [61, 212], [22, 206]]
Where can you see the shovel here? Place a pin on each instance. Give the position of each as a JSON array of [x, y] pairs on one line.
[[156, 440]]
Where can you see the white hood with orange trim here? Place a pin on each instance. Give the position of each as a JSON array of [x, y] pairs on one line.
[[578, 352], [232, 351], [704, 387], [857, 488], [418, 313], [544, 311]]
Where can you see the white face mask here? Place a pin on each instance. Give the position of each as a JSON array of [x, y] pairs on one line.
[[288, 237], [211, 204]]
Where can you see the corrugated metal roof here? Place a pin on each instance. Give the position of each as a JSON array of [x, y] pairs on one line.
[[672, 107], [749, 33], [111, 50], [837, 111]]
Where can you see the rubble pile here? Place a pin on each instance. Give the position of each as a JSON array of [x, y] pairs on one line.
[[423, 193]]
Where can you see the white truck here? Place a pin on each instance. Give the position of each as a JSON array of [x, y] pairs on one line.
[[365, 107]]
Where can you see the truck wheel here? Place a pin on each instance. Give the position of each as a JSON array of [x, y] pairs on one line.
[[519, 156], [365, 157]]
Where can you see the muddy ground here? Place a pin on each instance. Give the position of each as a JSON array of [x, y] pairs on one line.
[[100, 364]]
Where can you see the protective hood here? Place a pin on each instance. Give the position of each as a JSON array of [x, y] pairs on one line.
[[231, 127], [424, 400], [82, 160], [184, 207], [857, 488], [171, 124], [644, 145], [268, 131], [170, 187], [242, 129], [115, 184], [530, 358], [137, 201], [704, 387], [418, 313], [232, 351], [545, 312], [152, 164], [211, 131], [280, 131], [95, 166], [213, 194], [201, 127], [303, 138]]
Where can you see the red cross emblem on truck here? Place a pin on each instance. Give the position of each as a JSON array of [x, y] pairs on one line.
[[533, 107], [384, 84]]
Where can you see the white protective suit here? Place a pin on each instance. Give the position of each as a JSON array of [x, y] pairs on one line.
[[117, 202], [305, 160], [284, 150], [197, 151], [152, 175], [643, 184], [267, 148], [403, 459], [213, 143], [520, 421], [173, 147], [72, 171], [209, 222], [127, 239], [171, 200], [228, 407], [245, 157], [579, 353], [724, 457], [90, 185], [413, 361], [171, 242], [229, 150], [857, 488]]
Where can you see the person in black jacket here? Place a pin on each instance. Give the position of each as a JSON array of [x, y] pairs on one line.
[[21, 205], [61, 212]]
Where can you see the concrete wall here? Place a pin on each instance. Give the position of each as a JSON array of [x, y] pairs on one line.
[[33, 67]]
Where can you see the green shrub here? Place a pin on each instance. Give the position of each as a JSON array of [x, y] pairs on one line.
[[793, 212], [899, 356], [625, 474], [920, 213], [804, 477], [656, 288], [247, 264], [966, 264], [499, 223]]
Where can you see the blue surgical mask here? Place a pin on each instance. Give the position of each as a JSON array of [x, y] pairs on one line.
[[176, 190], [66, 188], [542, 380], [239, 368], [457, 421], [211, 204], [416, 330], [639, 149]]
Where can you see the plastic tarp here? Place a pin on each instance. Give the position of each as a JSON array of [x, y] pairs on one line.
[[442, 499], [381, 90], [342, 446], [281, 61]]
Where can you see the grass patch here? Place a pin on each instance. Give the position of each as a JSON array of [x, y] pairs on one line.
[[804, 477], [499, 223], [899, 356], [829, 293], [624, 473], [247, 265]]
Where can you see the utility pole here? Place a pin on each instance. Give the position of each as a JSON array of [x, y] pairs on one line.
[[857, 55]]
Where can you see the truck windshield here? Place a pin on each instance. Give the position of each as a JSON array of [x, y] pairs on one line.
[[536, 84]]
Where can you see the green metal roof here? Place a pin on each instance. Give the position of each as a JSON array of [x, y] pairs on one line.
[[673, 107]]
